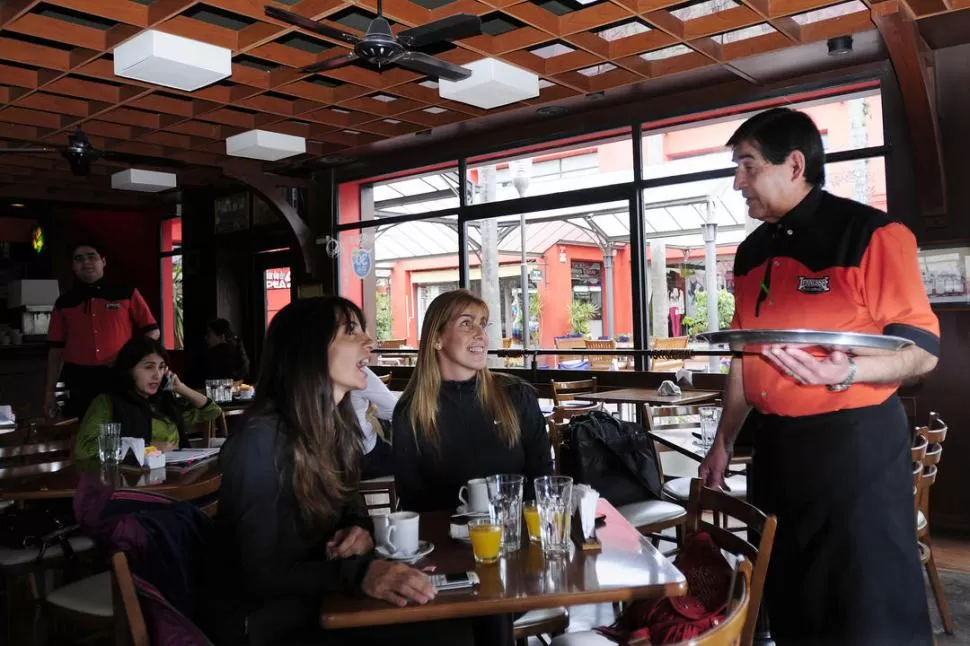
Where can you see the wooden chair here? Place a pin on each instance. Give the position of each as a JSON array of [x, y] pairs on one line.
[[668, 365], [562, 414], [934, 434], [379, 495], [130, 627], [567, 390], [601, 361], [684, 418]]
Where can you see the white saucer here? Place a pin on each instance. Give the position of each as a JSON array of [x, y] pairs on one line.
[[463, 511], [424, 548]]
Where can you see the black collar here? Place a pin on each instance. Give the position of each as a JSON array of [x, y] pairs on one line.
[[802, 214]]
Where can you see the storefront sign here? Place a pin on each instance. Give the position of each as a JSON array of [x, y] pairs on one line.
[[278, 279], [587, 273]]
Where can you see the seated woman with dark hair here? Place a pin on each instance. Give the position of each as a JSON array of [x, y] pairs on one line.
[[456, 419], [225, 356], [143, 401], [291, 525]]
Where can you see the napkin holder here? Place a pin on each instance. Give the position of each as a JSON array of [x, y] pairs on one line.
[[134, 458], [576, 531], [587, 543]]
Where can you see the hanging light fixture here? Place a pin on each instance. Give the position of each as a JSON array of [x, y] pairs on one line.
[[562, 255]]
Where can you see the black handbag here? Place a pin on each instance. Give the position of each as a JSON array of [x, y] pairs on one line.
[[36, 528], [614, 457]]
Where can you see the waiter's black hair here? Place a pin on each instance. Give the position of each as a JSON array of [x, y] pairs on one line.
[[86, 243], [778, 132]]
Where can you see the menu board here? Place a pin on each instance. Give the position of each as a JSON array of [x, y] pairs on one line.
[[945, 274]]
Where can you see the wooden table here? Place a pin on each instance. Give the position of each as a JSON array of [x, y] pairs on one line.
[[62, 483], [627, 568], [684, 442], [650, 396], [235, 407]]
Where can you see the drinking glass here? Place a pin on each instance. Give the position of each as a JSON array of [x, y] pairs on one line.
[[109, 442], [486, 538], [554, 502], [226, 390], [531, 513], [505, 507], [710, 416], [212, 389]]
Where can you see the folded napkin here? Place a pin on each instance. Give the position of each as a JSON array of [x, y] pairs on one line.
[[134, 453], [668, 389], [584, 501]]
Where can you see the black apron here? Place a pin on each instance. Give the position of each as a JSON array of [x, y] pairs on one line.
[[845, 566]]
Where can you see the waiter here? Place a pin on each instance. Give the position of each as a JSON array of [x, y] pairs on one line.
[[832, 457], [88, 326]]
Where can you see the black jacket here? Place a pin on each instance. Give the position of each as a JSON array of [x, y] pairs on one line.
[[429, 479], [226, 361], [266, 575]]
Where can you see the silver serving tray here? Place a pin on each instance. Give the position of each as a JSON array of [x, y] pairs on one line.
[[855, 343]]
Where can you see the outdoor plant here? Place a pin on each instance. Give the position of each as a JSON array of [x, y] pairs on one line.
[[580, 314], [697, 322]]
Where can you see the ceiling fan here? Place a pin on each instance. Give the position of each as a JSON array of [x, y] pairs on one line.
[[380, 47], [79, 153]]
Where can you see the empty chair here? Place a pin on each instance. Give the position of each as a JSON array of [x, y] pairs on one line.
[[934, 434], [563, 391]]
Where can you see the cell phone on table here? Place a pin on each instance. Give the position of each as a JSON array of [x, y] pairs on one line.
[[455, 581]]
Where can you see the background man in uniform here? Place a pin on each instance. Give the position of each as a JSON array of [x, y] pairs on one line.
[[88, 326], [832, 454]]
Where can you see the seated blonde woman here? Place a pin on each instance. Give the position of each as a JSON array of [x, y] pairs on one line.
[[143, 401]]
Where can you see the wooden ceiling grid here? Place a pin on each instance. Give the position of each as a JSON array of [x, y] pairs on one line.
[[56, 69]]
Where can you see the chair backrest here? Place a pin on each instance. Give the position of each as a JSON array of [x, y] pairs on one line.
[[129, 621], [385, 379], [562, 414], [379, 494], [703, 499], [935, 431], [570, 343], [392, 344], [600, 344], [919, 449], [671, 418], [601, 362], [567, 390], [36, 454], [730, 632], [556, 435]]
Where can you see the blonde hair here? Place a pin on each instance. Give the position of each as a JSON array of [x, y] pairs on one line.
[[424, 387]]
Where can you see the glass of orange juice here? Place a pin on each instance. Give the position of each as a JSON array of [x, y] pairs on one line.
[[531, 513], [486, 537]]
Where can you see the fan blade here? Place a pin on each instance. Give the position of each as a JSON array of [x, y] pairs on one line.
[[310, 25], [135, 159], [460, 25], [431, 66], [28, 150], [330, 63]]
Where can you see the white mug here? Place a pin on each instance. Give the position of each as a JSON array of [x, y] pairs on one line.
[[381, 525], [402, 533], [477, 492]]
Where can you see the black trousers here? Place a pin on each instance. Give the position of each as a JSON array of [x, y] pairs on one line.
[[84, 383], [845, 568]]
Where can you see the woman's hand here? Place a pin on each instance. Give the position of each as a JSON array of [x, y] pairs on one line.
[[397, 583], [177, 385], [350, 541]]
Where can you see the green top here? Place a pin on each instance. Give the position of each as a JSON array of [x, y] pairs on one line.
[[101, 411]]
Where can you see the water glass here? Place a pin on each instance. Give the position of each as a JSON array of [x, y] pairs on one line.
[[109, 442], [710, 416], [212, 389], [554, 501], [505, 508], [225, 390]]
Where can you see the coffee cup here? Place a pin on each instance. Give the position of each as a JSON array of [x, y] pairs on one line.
[[381, 525], [402, 533], [474, 495]]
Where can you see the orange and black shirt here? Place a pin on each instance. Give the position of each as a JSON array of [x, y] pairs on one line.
[[829, 264], [92, 322]]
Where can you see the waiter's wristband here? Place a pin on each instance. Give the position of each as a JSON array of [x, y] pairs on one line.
[[848, 381]]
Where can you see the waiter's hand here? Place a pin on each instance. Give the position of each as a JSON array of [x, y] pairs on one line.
[[712, 469], [806, 369]]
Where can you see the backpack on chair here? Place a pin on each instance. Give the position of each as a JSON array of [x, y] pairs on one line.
[[614, 457]]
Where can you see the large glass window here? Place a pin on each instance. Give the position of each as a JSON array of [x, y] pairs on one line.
[[171, 273]]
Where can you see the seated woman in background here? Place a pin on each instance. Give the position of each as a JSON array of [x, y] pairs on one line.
[[225, 357], [143, 401], [291, 525], [456, 419]]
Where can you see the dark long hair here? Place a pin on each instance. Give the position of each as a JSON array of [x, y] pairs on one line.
[[227, 359], [322, 446], [134, 412]]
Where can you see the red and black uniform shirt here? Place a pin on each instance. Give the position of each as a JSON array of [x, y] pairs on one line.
[[92, 322], [829, 264]]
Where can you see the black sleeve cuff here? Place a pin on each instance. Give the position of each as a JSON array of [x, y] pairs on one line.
[[148, 328], [56, 344], [353, 570], [923, 339]]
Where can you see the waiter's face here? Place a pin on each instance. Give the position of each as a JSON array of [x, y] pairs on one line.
[[88, 264], [766, 187]]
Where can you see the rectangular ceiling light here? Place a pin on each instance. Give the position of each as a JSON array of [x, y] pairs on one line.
[[172, 61], [146, 181], [492, 83], [265, 145]]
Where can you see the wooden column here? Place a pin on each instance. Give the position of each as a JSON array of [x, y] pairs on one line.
[[912, 61]]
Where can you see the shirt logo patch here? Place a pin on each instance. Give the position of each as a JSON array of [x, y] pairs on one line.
[[113, 306], [813, 285]]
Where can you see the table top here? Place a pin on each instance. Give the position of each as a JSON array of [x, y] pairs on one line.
[[649, 396], [62, 482], [627, 568], [683, 441]]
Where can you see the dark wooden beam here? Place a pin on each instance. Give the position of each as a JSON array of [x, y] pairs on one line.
[[912, 62], [267, 188]]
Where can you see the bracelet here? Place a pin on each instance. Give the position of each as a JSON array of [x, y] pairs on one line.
[[848, 381]]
